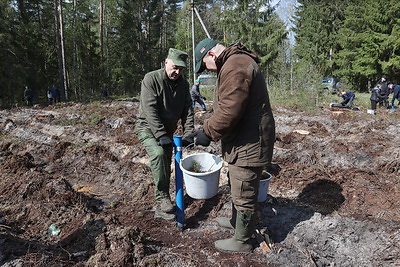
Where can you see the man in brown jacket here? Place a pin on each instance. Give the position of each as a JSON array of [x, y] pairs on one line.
[[244, 123]]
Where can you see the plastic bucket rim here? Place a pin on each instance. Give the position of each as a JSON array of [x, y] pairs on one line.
[[218, 165], [202, 185], [267, 179], [262, 188]]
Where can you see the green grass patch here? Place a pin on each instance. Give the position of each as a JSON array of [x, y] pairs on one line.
[[208, 92]]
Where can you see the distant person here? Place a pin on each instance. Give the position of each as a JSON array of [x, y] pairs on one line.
[[164, 101], [55, 94], [28, 96], [376, 96], [384, 91], [50, 97], [396, 93], [196, 95], [104, 93], [348, 98], [244, 123]]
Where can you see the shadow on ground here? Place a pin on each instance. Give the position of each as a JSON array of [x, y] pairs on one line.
[[281, 215]]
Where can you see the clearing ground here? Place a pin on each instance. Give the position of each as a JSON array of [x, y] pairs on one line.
[[336, 201]]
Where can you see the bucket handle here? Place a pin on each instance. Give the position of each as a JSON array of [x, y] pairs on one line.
[[212, 165], [184, 150]]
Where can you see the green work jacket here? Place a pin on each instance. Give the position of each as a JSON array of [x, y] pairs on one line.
[[163, 103]]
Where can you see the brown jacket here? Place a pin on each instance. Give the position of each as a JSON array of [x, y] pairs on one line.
[[242, 118]]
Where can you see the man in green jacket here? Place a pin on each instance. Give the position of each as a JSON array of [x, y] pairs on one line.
[[164, 100], [244, 123]]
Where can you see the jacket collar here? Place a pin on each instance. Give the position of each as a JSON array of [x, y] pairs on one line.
[[236, 48]]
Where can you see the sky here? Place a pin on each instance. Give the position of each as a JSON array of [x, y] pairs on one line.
[[285, 10]]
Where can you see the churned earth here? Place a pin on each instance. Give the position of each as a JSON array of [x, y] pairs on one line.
[[76, 190]]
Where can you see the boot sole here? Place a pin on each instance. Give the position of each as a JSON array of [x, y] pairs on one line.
[[165, 216], [233, 251]]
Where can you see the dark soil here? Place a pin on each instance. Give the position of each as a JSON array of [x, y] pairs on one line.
[[336, 201]]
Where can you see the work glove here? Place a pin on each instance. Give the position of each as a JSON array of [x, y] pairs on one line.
[[200, 138], [187, 141], [165, 141]]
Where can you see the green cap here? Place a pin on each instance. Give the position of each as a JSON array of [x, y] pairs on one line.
[[200, 51], [197, 80], [178, 57]]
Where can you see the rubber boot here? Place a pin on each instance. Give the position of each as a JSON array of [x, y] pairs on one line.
[[226, 222], [244, 229], [163, 215]]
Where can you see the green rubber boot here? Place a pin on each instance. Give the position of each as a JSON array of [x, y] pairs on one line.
[[244, 229], [226, 222]]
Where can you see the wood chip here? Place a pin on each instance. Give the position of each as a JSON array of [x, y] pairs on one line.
[[302, 131], [265, 246]]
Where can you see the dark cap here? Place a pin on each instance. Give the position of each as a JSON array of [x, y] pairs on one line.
[[200, 51], [178, 57]]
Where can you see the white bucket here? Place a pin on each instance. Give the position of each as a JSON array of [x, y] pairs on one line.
[[263, 187], [202, 184]]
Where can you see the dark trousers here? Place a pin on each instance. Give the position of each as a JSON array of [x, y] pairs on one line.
[[374, 104], [244, 187], [384, 103], [349, 101], [198, 100]]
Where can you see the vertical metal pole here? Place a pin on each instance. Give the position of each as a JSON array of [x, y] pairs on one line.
[[180, 208], [201, 21], [193, 44]]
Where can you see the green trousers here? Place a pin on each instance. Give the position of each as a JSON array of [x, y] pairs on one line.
[[160, 163], [244, 187]]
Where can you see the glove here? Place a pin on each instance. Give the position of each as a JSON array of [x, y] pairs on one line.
[[201, 138], [203, 97], [187, 141], [164, 141]]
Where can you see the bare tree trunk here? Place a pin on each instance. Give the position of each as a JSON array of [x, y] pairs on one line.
[[106, 46], [64, 61], [75, 66], [62, 69], [10, 85], [101, 44], [58, 42]]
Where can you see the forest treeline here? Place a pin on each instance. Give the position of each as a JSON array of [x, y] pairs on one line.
[[357, 41], [92, 47]]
